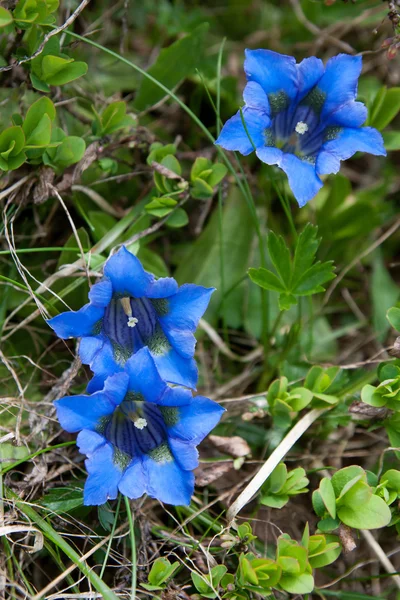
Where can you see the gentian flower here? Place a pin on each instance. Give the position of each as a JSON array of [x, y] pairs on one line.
[[130, 309], [301, 117], [139, 434]]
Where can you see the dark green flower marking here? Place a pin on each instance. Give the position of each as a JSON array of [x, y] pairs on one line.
[[161, 454], [170, 415], [331, 133], [161, 306], [158, 343], [121, 459], [315, 99], [278, 102]]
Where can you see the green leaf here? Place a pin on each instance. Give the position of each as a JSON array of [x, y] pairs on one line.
[[69, 152], [161, 571], [388, 109], [328, 496], [179, 218], [61, 500], [384, 293], [266, 279], [173, 65], [312, 280], [286, 301], [160, 207], [346, 475], [5, 17], [280, 256], [58, 71], [391, 140], [373, 514], [297, 584], [306, 248], [274, 501], [393, 316]]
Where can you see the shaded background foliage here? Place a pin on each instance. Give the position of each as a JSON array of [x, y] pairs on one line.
[[98, 200]]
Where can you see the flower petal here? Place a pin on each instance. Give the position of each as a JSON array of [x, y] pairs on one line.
[[233, 135], [270, 155], [101, 293], [133, 482], [348, 142], [98, 353], [186, 307], [177, 369], [185, 454], [89, 441], [303, 180], [340, 81], [84, 412], [351, 114], [167, 482], [255, 97], [144, 377], [273, 71], [310, 71], [104, 476], [196, 420], [182, 341], [76, 323]]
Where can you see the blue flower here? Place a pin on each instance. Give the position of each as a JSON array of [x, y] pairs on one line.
[[301, 117], [139, 434], [130, 309]]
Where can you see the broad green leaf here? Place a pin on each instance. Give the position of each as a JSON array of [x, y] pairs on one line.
[[266, 279], [388, 109], [297, 584], [69, 152], [5, 17], [280, 256], [286, 301], [328, 496], [172, 66], [274, 501], [58, 71], [391, 140], [179, 218], [43, 106], [373, 514], [344, 476], [393, 316], [62, 500], [277, 479], [384, 293]]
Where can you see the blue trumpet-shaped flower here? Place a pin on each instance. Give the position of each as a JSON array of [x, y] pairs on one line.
[[139, 434], [131, 309], [301, 117]]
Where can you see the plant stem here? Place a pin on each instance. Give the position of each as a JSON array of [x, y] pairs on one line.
[[133, 546]]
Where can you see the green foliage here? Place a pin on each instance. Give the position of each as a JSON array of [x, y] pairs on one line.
[[281, 485], [12, 145], [173, 65], [385, 107], [161, 571], [295, 276], [112, 119], [208, 585], [205, 176], [30, 12], [348, 498], [387, 393]]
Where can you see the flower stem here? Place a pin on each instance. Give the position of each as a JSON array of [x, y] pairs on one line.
[[133, 546]]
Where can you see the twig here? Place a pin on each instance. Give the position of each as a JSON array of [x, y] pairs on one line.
[[278, 454], [14, 187], [383, 559], [46, 38]]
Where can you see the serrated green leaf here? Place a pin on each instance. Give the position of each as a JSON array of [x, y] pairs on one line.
[[266, 279], [280, 256], [312, 280]]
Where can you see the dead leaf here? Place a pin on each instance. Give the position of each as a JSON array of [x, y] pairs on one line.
[[207, 473], [235, 446]]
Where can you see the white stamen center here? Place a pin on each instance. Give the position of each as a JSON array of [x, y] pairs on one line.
[[140, 423], [301, 127], [132, 321]]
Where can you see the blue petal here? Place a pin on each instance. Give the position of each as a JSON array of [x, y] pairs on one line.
[[167, 482], [176, 369], [255, 97], [352, 114], [348, 142], [270, 155], [187, 306], [185, 454], [84, 412], [145, 379], [133, 482], [303, 180], [76, 323], [103, 477], [233, 135], [128, 277], [101, 293], [340, 81], [183, 341], [97, 352], [196, 420], [310, 71], [273, 71], [89, 441]]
